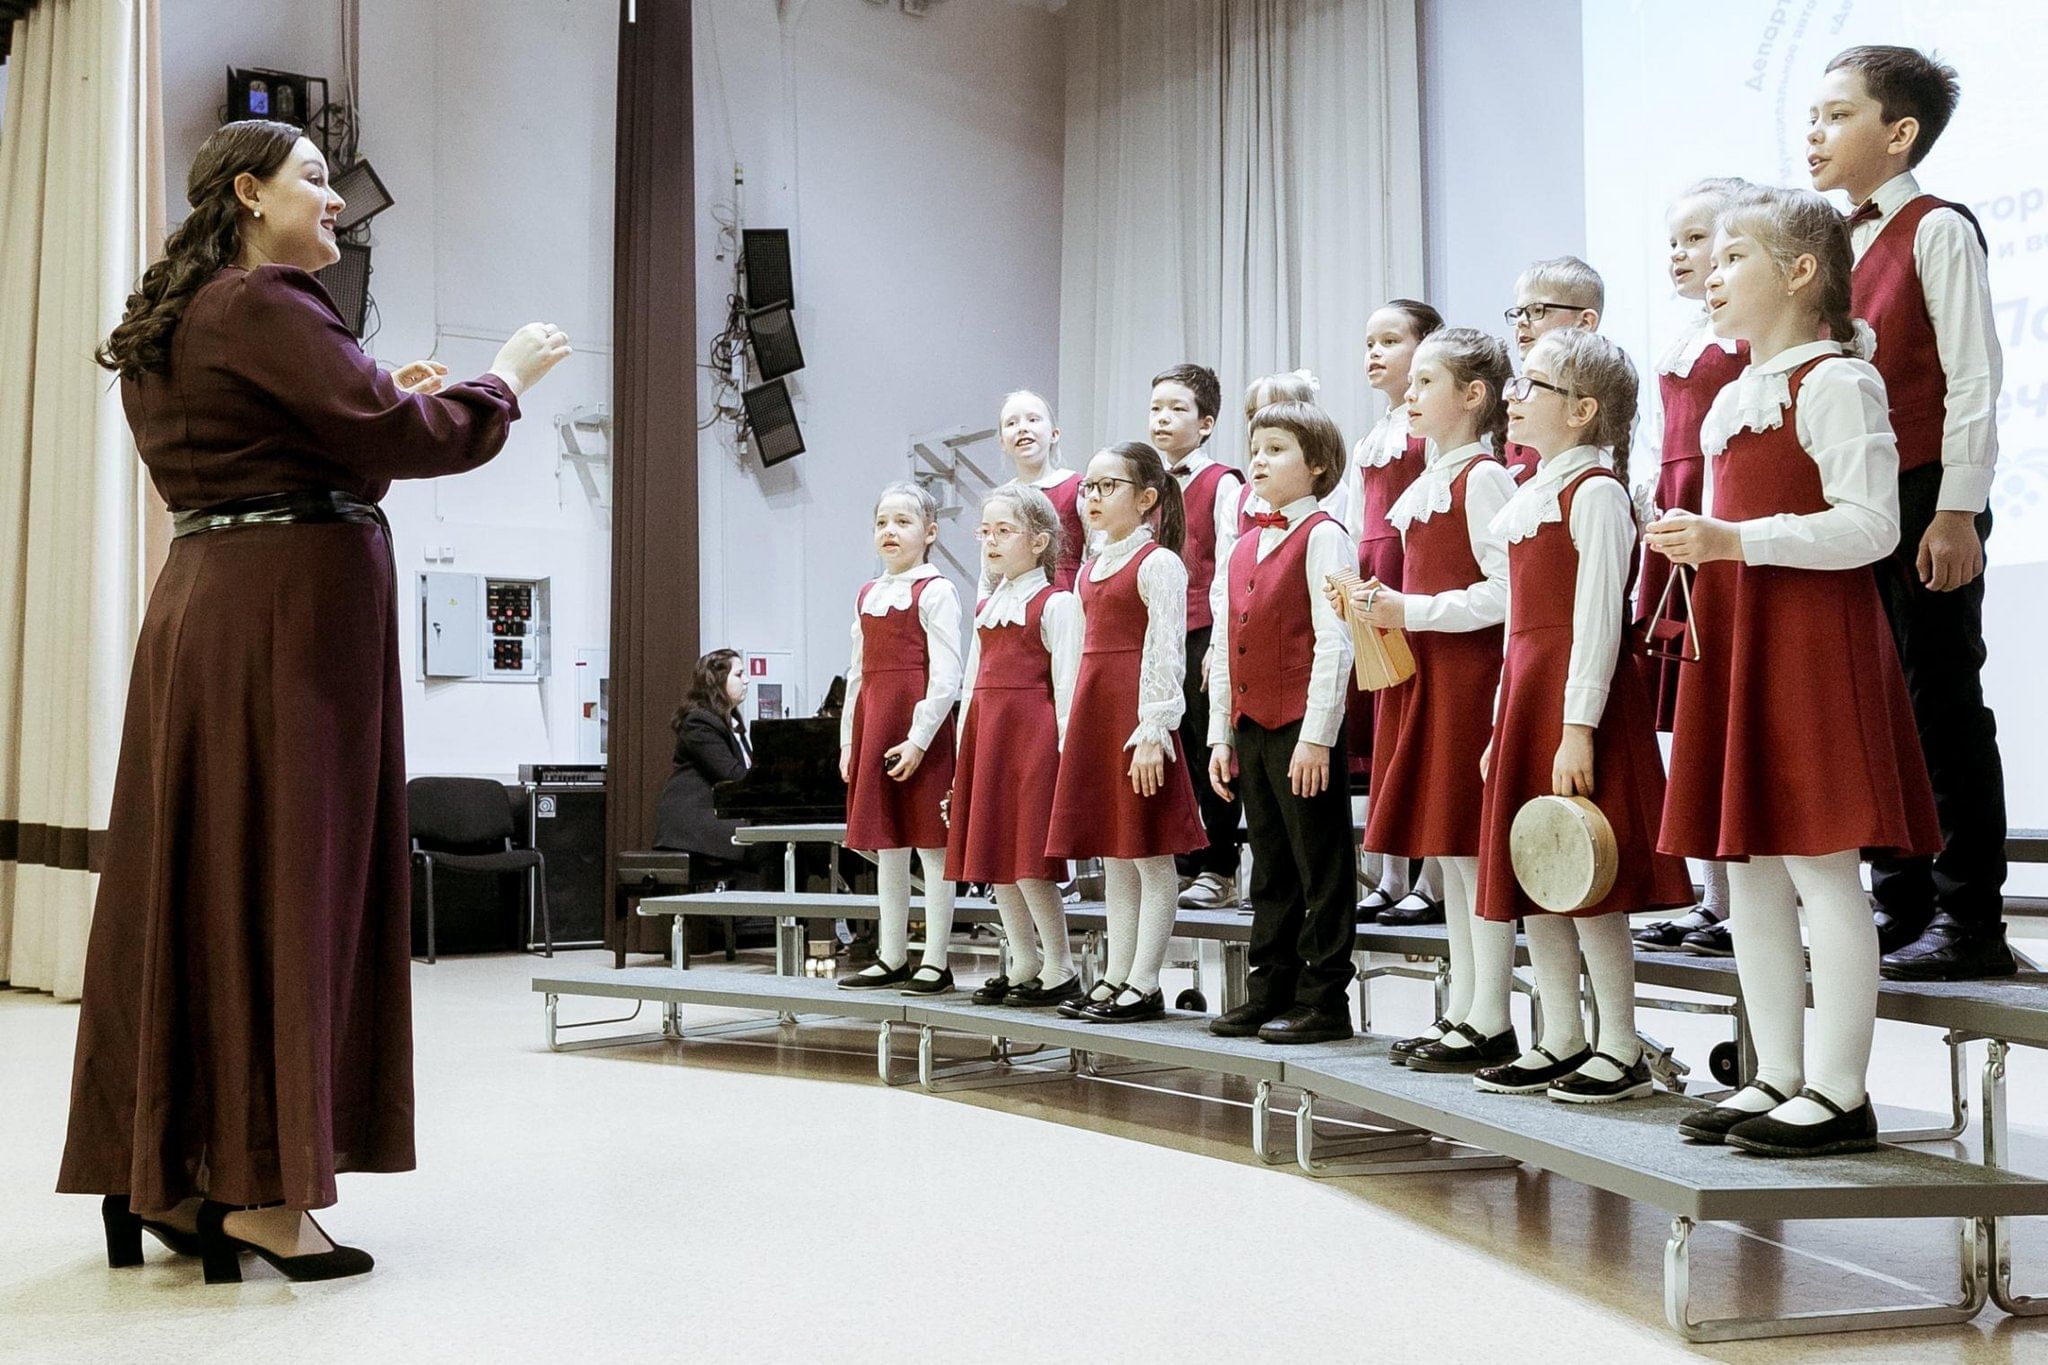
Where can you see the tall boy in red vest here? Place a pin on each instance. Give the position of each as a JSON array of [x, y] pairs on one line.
[[1922, 285], [1185, 401]]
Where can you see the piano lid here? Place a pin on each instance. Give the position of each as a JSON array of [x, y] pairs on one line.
[[794, 779]]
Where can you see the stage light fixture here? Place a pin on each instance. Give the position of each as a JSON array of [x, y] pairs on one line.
[[764, 253], [772, 331], [772, 419], [347, 282], [286, 96], [363, 194]]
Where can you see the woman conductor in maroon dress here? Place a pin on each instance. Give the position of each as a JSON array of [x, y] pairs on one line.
[[246, 1029]]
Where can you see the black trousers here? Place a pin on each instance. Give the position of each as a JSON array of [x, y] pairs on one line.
[[1941, 644], [1219, 817], [1304, 874]]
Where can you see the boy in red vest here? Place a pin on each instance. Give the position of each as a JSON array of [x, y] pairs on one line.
[[1185, 401], [1278, 688], [1921, 284]]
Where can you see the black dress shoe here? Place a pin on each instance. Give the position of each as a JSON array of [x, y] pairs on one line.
[[1949, 952], [1712, 941], [1514, 1079], [994, 991], [1306, 1024], [1038, 995], [929, 981], [1076, 1007], [1579, 1088], [1150, 1005], [124, 1229], [1245, 1021], [1895, 931], [1370, 906], [1411, 910], [1484, 1051], [1845, 1130], [222, 1252], [863, 981], [1664, 935], [1712, 1125], [1398, 1052]]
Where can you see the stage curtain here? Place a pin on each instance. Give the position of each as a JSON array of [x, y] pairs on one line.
[[81, 214], [1243, 187]]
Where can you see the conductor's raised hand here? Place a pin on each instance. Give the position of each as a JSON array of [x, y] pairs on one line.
[[421, 376], [529, 353]]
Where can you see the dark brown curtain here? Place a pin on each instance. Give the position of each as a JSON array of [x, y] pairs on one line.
[[654, 423]]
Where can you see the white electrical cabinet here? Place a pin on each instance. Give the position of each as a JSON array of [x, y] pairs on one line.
[[480, 628]]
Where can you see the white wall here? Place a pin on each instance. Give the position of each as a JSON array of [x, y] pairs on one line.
[[917, 163]]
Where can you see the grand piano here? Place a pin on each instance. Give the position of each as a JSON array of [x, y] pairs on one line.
[[794, 779]]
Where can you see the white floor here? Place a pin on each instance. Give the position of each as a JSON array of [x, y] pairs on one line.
[[744, 1202]]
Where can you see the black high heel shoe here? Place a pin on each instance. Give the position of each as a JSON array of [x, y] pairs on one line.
[[125, 1229], [223, 1253]]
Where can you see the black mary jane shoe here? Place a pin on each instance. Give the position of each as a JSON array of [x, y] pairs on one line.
[[862, 981], [1412, 910], [997, 990], [1372, 904], [1845, 1130], [1397, 1053], [1484, 1051], [1035, 994], [1306, 1024], [1664, 935], [1712, 941], [1077, 1007], [1579, 1088], [222, 1253], [929, 981], [1515, 1079], [1150, 1005], [124, 1233], [1712, 1125], [1245, 1021]]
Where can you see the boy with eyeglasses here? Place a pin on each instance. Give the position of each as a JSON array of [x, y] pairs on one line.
[[1552, 294]]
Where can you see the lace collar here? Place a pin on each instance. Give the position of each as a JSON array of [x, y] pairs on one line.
[[1431, 491], [891, 592], [1536, 501], [1386, 442], [1117, 553], [1005, 606], [1689, 345], [1757, 400]]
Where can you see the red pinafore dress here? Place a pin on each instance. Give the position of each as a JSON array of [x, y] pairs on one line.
[[1681, 483], [1379, 556], [895, 669], [1095, 814], [1009, 760], [1433, 728], [1628, 772], [1794, 735], [1066, 500]]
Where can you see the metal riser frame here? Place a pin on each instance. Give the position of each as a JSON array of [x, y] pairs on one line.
[[1996, 1149], [1323, 1158]]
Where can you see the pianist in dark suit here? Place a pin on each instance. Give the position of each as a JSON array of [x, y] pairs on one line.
[[711, 747]]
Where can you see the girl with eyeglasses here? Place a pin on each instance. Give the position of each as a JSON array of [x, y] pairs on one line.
[[1015, 698], [1124, 793], [1031, 438], [896, 737]]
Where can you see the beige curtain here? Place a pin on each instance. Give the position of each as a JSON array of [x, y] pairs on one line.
[[81, 214], [1243, 187]]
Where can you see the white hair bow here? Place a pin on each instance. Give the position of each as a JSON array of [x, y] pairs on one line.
[[1315, 385]]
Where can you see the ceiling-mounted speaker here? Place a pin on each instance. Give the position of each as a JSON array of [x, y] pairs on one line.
[[363, 195], [772, 331], [772, 419], [764, 255]]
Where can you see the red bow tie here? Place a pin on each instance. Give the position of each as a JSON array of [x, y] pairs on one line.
[[1866, 212], [1275, 520]]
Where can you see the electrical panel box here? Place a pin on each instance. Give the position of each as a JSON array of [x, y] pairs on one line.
[[483, 629]]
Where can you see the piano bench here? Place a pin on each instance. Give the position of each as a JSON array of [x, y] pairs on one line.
[[655, 872]]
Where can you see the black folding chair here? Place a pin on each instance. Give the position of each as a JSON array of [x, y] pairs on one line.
[[464, 824]]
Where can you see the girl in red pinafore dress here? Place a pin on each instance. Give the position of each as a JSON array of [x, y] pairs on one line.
[[1794, 746], [1453, 593], [1032, 441], [896, 737], [1388, 459], [1014, 703], [1571, 718], [1124, 792], [1696, 366]]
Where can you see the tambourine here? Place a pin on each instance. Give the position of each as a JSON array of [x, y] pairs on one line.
[[1379, 658], [1563, 852], [1665, 637]]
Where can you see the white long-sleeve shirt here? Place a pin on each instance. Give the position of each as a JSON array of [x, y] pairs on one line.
[[1603, 530], [1844, 422], [1163, 663], [938, 612], [1328, 551], [1487, 490], [1956, 282], [1059, 627]]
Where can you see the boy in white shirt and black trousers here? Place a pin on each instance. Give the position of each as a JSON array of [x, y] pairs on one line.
[[1922, 285], [1278, 675]]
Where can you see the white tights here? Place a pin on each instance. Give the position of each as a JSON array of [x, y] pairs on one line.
[[1139, 896], [1556, 943], [892, 883], [1035, 924], [1482, 956]]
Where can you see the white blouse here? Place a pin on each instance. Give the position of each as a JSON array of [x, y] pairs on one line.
[[1603, 529], [1059, 627], [1329, 550], [1488, 489], [1843, 421], [1162, 666], [938, 611]]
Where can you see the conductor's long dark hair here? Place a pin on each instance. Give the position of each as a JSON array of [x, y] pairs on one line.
[[208, 239]]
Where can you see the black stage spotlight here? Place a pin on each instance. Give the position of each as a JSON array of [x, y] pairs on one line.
[[773, 422], [773, 333], [765, 253], [347, 282], [363, 194], [286, 96]]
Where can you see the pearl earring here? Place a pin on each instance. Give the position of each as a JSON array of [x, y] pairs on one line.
[[256, 212]]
